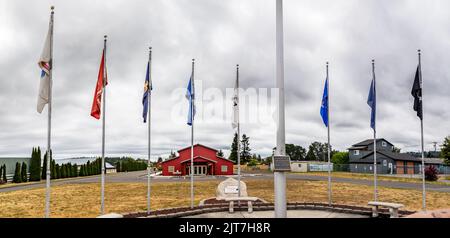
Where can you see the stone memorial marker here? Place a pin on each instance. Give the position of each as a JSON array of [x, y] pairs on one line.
[[229, 188]]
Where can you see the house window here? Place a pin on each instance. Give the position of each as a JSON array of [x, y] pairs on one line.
[[356, 152], [383, 143], [224, 169], [299, 165], [171, 169]]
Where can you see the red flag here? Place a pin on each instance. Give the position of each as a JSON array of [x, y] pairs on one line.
[[96, 104]]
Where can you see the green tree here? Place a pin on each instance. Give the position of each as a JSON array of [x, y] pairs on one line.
[[35, 165], [445, 151], [17, 176], [245, 149], [318, 152], [4, 173], [295, 152], [23, 172], [220, 153], [340, 158], [1, 175], [234, 149], [44, 167]]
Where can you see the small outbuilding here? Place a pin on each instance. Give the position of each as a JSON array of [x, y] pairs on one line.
[[206, 162]]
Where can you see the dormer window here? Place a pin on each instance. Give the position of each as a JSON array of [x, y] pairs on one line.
[[356, 152], [383, 143]]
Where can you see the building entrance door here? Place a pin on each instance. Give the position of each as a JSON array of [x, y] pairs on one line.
[[199, 170]]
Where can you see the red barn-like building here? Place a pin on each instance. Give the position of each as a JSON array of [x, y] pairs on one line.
[[206, 162]]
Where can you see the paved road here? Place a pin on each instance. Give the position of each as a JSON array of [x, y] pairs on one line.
[[140, 176]]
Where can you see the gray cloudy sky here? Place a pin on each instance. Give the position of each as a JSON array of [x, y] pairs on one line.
[[220, 34]]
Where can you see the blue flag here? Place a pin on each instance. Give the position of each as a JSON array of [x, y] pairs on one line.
[[148, 86], [372, 102], [324, 107], [190, 95]]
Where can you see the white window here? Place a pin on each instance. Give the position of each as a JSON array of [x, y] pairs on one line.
[[224, 168], [356, 152], [383, 143], [171, 169]]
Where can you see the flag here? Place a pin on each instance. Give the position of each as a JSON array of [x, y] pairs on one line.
[[45, 63], [190, 95], [102, 74], [148, 87], [236, 106], [416, 92], [372, 102], [324, 107]]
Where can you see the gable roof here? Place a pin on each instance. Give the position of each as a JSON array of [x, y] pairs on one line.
[[196, 145], [369, 142]]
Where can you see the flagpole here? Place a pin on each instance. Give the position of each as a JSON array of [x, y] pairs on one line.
[[374, 139], [329, 146], [102, 211], [238, 137], [424, 203], [192, 134], [47, 186], [280, 177], [149, 95]]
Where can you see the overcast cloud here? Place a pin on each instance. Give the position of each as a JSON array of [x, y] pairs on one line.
[[219, 34]]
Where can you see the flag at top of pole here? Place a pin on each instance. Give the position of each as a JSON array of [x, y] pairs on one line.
[[372, 102], [45, 63], [324, 107], [102, 75], [148, 87], [190, 96]]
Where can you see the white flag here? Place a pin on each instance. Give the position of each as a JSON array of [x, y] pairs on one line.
[[236, 106], [45, 65]]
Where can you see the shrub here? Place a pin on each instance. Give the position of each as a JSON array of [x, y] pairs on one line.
[[431, 173], [4, 174]]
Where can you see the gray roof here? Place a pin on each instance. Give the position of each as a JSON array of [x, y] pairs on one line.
[[369, 142], [397, 157], [109, 166]]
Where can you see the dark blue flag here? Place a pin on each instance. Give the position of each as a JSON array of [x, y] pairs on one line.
[[416, 92], [147, 91], [190, 95], [324, 107], [372, 102]]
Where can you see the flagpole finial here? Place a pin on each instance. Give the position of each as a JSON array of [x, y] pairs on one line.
[[419, 51], [193, 60], [150, 48], [52, 8], [105, 36], [237, 65], [328, 63]]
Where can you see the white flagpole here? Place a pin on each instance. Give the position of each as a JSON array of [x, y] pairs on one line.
[[280, 177], [47, 186], [192, 133], [149, 97], [374, 139], [329, 145], [238, 136], [103, 133], [424, 195]]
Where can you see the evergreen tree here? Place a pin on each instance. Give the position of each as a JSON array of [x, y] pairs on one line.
[[245, 150], [57, 171], [44, 168], [23, 172], [445, 151], [1, 175], [234, 149], [118, 167], [4, 173], [17, 177], [35, 165]]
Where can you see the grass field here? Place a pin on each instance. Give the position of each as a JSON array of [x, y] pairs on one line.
[[370, 177], [83, 200]]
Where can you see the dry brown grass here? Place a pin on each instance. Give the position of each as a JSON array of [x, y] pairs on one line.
[[83, 200]]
